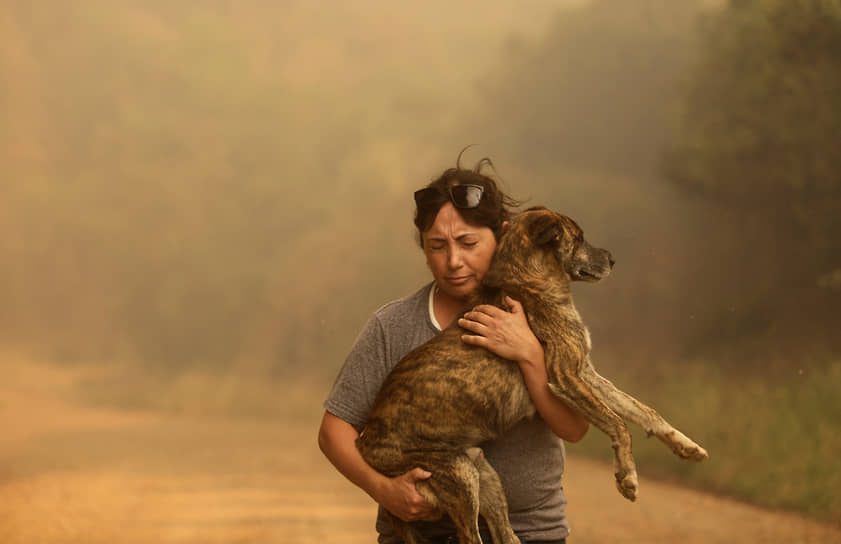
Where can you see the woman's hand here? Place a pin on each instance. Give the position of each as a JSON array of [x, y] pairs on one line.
[[337, 439], [506, 334], [402, 499]]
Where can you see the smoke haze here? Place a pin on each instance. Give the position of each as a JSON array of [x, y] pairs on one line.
[[226, 186]]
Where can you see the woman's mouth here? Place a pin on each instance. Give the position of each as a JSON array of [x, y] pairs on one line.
[[461, 280]]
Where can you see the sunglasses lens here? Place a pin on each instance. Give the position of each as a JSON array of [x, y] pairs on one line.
[[466, 196], [422, 196], [462, 196]]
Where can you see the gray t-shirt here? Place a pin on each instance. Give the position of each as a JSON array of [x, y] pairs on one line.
[[529, 458]]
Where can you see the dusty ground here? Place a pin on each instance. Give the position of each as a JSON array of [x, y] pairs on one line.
[[71, 474]]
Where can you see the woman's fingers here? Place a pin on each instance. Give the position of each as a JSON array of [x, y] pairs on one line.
[[489, 310]]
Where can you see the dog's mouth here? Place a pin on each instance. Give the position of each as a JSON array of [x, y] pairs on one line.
[[591, 264], [586, 275]]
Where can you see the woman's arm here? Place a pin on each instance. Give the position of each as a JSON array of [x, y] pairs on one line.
[[337, 440], [508, 335]]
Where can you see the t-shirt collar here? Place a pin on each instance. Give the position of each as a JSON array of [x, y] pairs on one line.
[[432, 290]]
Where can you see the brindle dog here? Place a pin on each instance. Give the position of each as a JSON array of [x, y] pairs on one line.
[[446, 397]]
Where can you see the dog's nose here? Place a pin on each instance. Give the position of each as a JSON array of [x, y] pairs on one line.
[[612, 262]]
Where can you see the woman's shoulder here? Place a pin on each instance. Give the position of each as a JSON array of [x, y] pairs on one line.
[[413, 306]]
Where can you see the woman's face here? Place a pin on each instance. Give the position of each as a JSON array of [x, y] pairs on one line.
[[457, 253]]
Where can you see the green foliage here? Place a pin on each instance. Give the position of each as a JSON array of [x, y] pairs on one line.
[[760, 124], [595, 92], [773, 441]]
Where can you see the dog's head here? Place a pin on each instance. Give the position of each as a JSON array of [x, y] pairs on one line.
[[545, 245]]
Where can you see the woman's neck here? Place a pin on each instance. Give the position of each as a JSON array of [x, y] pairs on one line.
[[446, 308]]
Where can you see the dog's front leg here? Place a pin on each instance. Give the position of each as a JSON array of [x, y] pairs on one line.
[[646, 417], [562, 365], [579, 396]]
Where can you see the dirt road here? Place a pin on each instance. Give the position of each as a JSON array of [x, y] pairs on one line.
[[70, 474]]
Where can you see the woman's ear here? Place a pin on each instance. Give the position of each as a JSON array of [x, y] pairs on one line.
[[505, 226]]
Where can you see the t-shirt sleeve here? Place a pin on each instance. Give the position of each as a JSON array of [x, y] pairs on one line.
[[361, 376]]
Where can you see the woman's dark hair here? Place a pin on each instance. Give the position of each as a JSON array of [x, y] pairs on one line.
[[494, 209]]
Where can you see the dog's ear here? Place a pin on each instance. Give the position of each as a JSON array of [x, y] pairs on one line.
[[545, 230]]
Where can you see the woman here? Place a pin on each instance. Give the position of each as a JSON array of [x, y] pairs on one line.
[[460, 217]]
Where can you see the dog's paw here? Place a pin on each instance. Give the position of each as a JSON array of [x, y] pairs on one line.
[[692, 452], [684, 447], [627, 485], [698, 454]]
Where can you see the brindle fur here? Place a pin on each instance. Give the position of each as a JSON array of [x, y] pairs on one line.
[[446, 397]]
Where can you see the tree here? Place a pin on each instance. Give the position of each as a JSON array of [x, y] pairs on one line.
[[760, 128], [594, 92]]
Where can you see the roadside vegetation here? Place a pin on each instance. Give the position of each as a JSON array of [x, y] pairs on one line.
[[772, 441]]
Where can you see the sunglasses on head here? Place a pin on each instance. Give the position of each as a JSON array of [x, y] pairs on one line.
[[462, 196]]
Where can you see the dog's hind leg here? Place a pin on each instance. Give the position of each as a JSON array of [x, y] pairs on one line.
[[492, 503], [455, 486], [646, 417]]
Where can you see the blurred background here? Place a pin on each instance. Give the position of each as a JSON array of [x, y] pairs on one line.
[[201, 203]]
